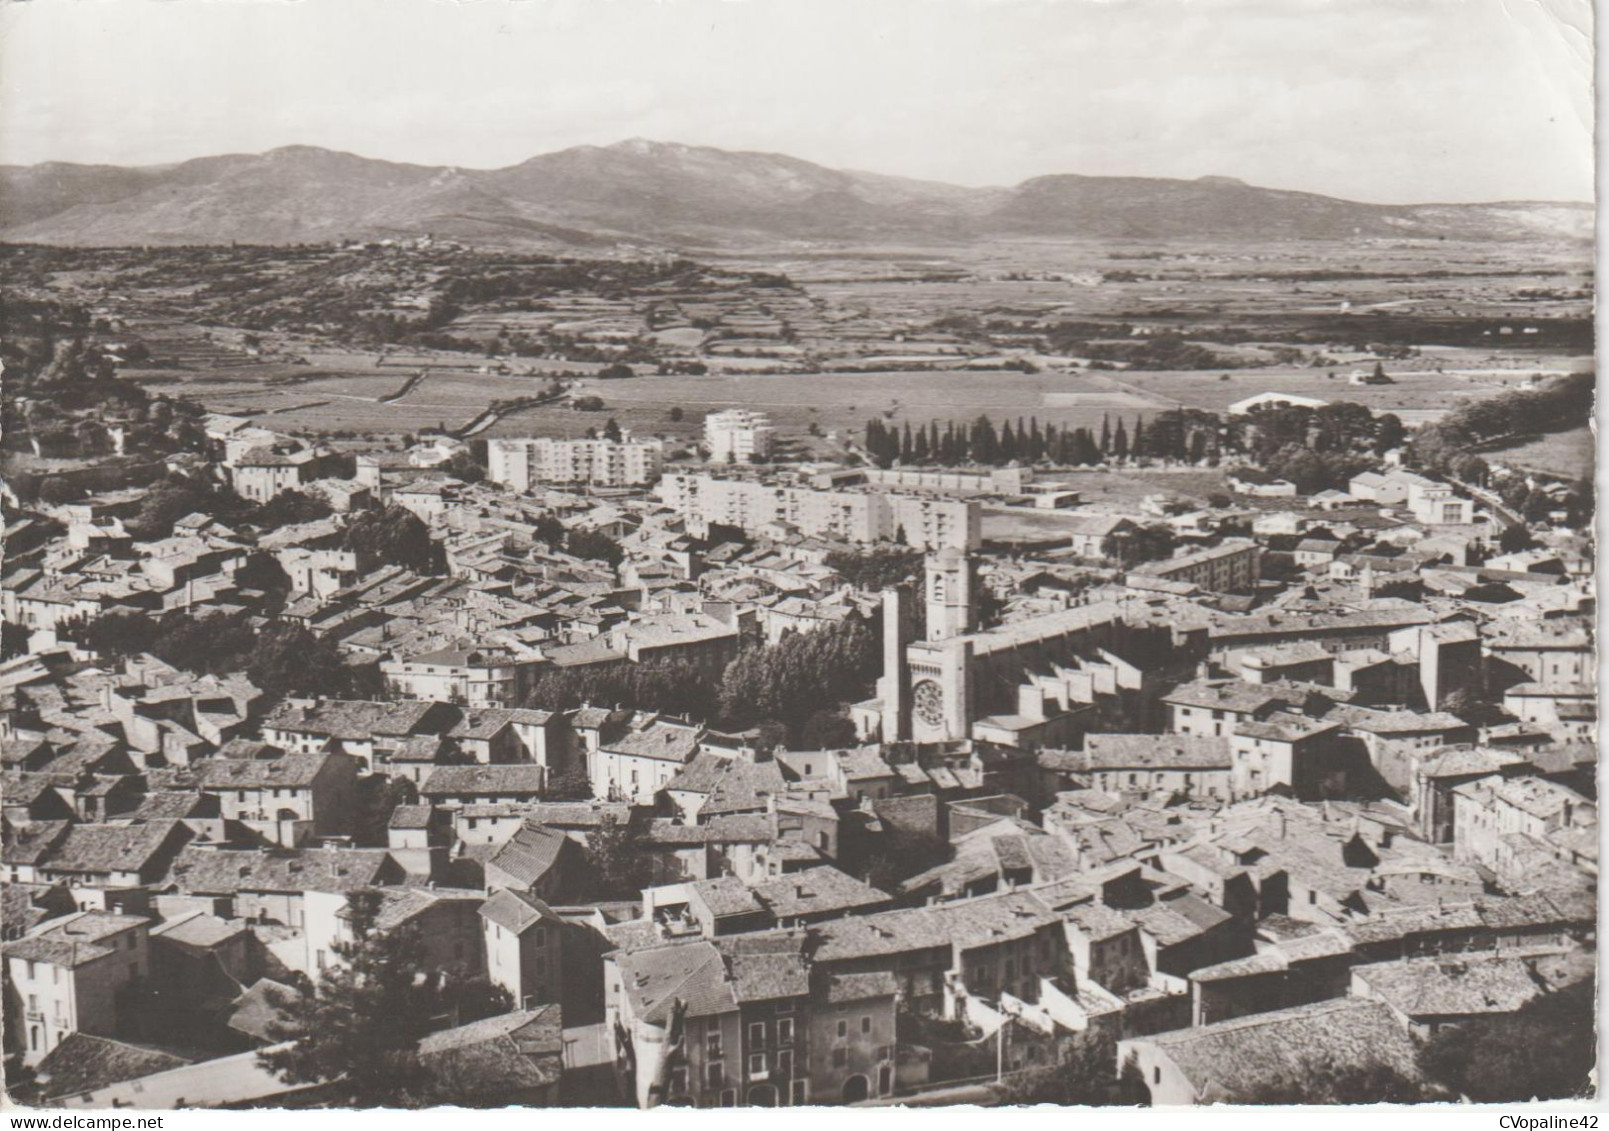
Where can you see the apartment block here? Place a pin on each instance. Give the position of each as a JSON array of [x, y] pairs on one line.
[[739, 436], [859, 515], [522, 463]]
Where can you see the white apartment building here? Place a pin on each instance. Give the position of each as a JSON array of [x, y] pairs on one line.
[[738, 436], [859, 515], [520, 463]]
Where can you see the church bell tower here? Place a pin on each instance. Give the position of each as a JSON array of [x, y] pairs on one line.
[[948, 587]]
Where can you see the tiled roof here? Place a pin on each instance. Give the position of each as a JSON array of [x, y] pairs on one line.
[[293, 771], [74, 940], [31, 843], [816, 891], [766, 966], [965, 923], [350, 718], [82, 1063], [661, 740], [1232, 1059], [410, 817], [515, 911], [111, 848], [1155, 751], [514, 779], [172, 804], [334, 870], [529, 854], [1451, 986], [256, 1010], [200, 930], [1175, 921], [692, 972], [1097, 921], [514, 1053], [726, 895]]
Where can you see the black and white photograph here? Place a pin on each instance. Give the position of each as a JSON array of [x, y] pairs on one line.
[[861, 554]]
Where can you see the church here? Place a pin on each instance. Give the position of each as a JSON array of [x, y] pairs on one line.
[[1026, 684]]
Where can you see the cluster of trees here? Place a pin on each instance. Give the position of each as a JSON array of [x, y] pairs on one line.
[[619, 867], [178, 496], [1158, 352], [1316, 448], [1561, 404], [591, 545], [793, 690], [791, 680], [394, 536], [876, 569], [1543, 1051], [358, 1031], [1130, 548], [280, 658], [71, 389], [1447, 446], [1118, 342], [386, 327], [630, 686], [1536, 504], [1183, 434]]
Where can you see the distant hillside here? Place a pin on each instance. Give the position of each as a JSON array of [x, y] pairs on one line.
[[642, 191]]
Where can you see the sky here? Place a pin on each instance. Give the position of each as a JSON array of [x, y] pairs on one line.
[[1392, 101]]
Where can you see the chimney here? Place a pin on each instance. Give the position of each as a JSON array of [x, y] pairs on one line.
[[1281, 824]]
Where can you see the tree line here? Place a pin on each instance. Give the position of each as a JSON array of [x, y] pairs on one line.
[[1182, 434], [795, 689]]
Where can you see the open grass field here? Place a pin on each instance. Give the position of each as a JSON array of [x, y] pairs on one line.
[[845, 401], [1412, 391], [1571, 454]]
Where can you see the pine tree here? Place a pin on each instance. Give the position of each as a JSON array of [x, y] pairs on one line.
[[1008, 444], [982, 442], [360, 1032], [1138, 444], [907, 446], [1120, 441], [1106, 435]]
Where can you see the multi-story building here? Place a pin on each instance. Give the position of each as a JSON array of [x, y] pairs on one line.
[[746, 1021], [520, 463], [264, 472], [288, 799], [72, 975], [861, 515], [1221, 569], [640, 763], [524, 945], [1488, 811], [1285, 751], [473, 677], [739, 436]]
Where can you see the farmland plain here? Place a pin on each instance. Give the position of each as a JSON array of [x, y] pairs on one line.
[[1058, 331]]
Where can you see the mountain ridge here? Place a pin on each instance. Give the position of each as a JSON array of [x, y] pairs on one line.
[[676, 195]]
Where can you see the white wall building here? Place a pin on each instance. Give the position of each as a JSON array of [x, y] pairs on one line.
[[926, 522], [738, 436], [520, 463]]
